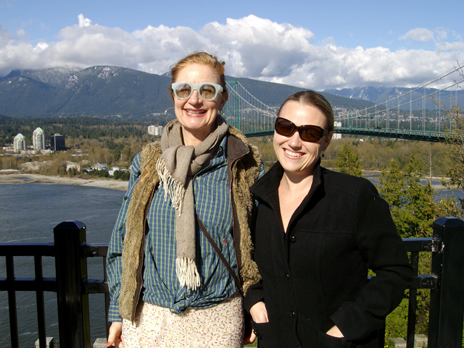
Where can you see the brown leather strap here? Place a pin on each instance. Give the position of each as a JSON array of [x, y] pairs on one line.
[[221, 256]]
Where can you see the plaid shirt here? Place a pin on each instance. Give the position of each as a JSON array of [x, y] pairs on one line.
[[161, 287]]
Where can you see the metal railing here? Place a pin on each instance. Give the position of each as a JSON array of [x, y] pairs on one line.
[[70, 250], [71, 283]]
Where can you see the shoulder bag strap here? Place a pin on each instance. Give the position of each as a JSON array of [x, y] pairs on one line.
[[221, 256]]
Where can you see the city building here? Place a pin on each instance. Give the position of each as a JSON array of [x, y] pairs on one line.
[[155, 130], [38, 139], [73, 165], [114, 169], [19, 143], [100, 166], [57, 142], [337, 135]]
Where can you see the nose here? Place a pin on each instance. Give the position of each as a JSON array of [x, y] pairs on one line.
[[295, 140], [195, 97]]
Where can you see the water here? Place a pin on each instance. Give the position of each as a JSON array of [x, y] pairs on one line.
[[374, 178], [28, 214]]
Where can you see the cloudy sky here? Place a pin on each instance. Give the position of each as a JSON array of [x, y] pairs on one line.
[[305, 43]]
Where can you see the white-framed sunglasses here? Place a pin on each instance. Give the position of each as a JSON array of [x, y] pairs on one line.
[[206, 90]]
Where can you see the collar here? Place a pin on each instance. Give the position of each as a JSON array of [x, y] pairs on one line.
[[236, 147], [266, 188]]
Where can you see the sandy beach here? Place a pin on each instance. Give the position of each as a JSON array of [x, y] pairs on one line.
[[11, 177], [16, 177]]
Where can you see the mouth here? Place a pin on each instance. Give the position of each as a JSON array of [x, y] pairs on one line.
[[195, 112], [293, 154]]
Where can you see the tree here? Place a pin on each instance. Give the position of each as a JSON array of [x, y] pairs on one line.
[[455, 154], [455, 146], [413, 205], [414, 208], [348, 161], [121, 175], [99, 173]]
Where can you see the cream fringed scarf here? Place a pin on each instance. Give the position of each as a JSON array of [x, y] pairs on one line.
[[176, 167]]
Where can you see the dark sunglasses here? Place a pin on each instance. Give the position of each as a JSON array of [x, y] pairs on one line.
[[307, 132]]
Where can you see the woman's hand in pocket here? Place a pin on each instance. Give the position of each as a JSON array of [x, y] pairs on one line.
[[259, 313], [335, 332]]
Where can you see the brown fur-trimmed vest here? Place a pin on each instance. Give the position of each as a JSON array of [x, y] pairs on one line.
[[244, 164]]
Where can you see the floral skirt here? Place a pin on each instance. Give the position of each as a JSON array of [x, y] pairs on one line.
[[218, 326]]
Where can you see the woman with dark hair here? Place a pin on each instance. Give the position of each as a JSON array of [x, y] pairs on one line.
[[180, 253], [317, 234]]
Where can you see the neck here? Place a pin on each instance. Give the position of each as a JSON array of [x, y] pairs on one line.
[[194, 138], [293, 182], [190, 139]]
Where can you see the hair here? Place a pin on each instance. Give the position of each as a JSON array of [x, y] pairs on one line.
[[200, 58], [314, 99]]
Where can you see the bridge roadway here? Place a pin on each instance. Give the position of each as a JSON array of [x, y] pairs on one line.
[[421, 135]]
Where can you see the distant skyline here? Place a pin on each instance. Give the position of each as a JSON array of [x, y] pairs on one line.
[[309, 44]]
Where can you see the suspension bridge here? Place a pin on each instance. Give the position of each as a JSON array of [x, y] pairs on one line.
[[415, 114]]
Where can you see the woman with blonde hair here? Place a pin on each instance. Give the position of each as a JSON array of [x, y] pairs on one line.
[[317, 234]]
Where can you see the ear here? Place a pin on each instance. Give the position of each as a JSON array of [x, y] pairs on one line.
[[327, 140], [225, 97]]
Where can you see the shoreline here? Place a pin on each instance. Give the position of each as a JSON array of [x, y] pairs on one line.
[[16, 177], [7, 177]]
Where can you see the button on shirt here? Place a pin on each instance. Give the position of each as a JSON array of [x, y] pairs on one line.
[[213, 207]]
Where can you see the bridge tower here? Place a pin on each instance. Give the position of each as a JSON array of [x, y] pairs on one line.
[[232, 107]]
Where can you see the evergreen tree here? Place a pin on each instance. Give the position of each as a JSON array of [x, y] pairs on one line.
[[412, 204], [455, 155], [413, 208], [348, 161]]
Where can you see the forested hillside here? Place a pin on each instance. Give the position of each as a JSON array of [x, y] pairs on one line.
[[96, 91], [76, 127]]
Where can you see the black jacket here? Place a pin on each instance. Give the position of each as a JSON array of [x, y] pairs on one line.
[[315, 276]]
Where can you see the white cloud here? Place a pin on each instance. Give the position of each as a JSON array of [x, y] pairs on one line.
[[21, 34], [252, 47], [5, 36], [263, 48], [450, 46], [41, 46], [441, 34], [419, 34], [84, 22]]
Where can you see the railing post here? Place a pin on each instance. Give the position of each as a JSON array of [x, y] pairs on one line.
[[10, 276], [447, 301], [71, 270]]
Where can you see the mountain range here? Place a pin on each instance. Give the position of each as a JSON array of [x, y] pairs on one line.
[[114, 91], [401, 95], [105, 91]]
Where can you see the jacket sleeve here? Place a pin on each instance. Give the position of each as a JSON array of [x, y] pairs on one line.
[[254, 294], [380, 244], [115, 247]]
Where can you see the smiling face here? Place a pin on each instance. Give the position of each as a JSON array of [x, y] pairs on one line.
[[197, 116], [296, 156]]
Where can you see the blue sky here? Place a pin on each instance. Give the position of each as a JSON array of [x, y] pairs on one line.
[[323, 44]]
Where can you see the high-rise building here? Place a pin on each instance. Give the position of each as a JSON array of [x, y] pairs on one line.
[[155, 130], [38, 139], [337, 135], [19, 143], [57, 142]]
